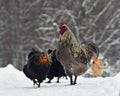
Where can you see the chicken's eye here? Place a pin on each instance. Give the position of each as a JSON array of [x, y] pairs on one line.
[[62, 27]]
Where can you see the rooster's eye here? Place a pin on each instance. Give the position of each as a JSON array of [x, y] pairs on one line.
[[62, 27]]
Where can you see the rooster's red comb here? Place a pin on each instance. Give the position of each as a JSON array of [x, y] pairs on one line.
[[62, 23]]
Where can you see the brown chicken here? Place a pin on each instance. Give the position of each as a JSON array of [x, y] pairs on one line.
[[73, 56], [97, 67]]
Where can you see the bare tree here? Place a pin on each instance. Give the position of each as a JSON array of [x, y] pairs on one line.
[[35, 23]]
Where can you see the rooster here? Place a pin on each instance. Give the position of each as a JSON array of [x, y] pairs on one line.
[[73, 56], [37, 67]]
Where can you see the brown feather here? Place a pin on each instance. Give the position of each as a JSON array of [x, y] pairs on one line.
[[42, 59], [97, 67]]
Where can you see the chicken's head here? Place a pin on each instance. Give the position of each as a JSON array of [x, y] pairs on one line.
[[94, 57], [43, 58], [63, 27]]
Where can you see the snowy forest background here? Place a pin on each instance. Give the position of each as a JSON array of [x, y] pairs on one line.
[[25, 24]]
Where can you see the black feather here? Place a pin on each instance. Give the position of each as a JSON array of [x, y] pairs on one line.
[[56, 69], [35, 71]]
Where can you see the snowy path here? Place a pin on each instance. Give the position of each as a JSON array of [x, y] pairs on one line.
[[14, 83]]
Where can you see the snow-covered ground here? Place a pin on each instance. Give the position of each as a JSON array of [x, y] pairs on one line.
[[14, 83]]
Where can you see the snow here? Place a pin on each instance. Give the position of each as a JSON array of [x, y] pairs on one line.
[[14, 83]]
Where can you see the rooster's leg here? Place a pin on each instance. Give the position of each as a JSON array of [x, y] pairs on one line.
[[75, 80], [71, 80]]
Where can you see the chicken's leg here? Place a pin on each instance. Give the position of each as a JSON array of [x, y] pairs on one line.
[[48, 81], [34, 82], [58, 80], [75, 80], [39, 84], [71, 80]]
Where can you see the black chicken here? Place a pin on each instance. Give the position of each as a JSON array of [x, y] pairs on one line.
[[56, 69], [37, 66]]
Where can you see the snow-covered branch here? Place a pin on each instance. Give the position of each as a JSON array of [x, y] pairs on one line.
[[109, 38], [104, 10]]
